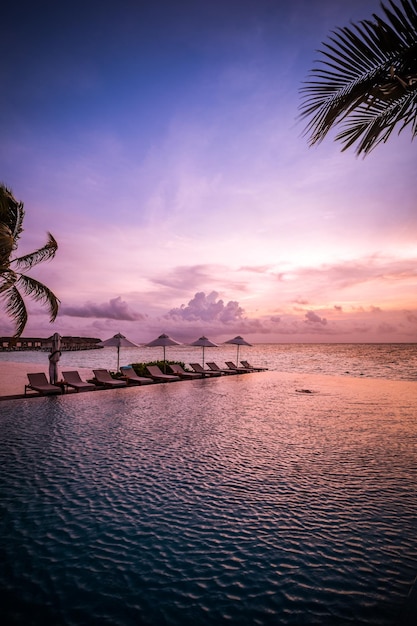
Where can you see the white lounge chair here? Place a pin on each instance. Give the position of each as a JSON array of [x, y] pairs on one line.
[[235, 368], [200, 370], [105, 379], [132, 378], [252, 367], [73, 379], [38, 382], [215, 368], [178, 370], [156, 374]]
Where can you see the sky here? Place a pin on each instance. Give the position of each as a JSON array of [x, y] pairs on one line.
[[160, 143]]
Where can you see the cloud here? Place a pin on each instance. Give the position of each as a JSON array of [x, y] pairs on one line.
[[115, 309], [359, 271], [256, 269], [189, 278], [411, 317], [313, 318], [186, 277], [385, 328], [275, 319], [208, 309]]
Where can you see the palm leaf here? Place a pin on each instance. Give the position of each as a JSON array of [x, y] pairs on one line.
[[6, 246], [8, 278], [11, 227], [372, 126], [48, 251], [366, 80], [16, 309], [40, 293], [11, 211]]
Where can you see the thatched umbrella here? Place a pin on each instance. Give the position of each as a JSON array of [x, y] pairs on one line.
[[118, 341], [238, 341], [205, 343], [164, 341]]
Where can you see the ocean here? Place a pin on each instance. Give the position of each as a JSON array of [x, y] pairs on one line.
[[389, 361], [242, 500]]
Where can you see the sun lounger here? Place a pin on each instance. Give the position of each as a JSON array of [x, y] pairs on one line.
[[235, 368], [73, 379], [200, 370], [180, 371], [215, 368], [104, 378], [156, 374], [38, 382], [252, 367], [130, 376]]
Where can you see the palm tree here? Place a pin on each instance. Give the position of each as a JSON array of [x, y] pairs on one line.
[[366, 81], [12, 280]]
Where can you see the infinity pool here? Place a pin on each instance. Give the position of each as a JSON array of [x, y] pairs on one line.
[[237, 501]]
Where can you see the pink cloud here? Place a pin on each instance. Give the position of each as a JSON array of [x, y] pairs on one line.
[[411, 317], [208, 309], [115, 309], [313, 318], [386, 328], [256, 269], [276, 319], [352, 273], [187, 277]]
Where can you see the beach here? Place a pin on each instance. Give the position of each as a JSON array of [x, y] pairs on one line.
[[13, 376]]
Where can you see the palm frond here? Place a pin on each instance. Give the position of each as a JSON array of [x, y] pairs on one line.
[[11, 211], [370, 127], [28, 261], [367, 67], [11, 226], [8, 278], [40, 293], [6, 245], [16, 309]]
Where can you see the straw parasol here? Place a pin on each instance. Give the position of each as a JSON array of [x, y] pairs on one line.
[[204, 343], [164, 341], [118, 341], [238, 341]]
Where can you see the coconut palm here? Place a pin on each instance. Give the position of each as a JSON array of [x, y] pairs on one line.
[[13, 283], [366, 81]]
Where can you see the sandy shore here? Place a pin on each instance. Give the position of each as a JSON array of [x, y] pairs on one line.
[[13, 376]]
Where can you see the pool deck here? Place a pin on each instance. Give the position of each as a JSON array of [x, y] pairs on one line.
[[13, 378]]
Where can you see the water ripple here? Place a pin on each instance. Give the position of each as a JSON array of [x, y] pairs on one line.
[[237, 502]]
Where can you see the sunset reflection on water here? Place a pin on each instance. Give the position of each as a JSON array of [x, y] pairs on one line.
[[258, 498]]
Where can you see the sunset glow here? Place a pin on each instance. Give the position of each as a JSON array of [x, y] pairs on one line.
[[159, 143]]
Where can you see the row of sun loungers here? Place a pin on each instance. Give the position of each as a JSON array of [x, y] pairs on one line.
[[103, 379]]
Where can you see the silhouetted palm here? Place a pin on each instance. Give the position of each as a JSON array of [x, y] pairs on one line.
[[366, 81], [12, 280]]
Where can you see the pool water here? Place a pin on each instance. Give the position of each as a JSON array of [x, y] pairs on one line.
[[238, 501]]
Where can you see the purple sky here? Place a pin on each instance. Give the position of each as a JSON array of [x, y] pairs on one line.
[[159, 143]]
